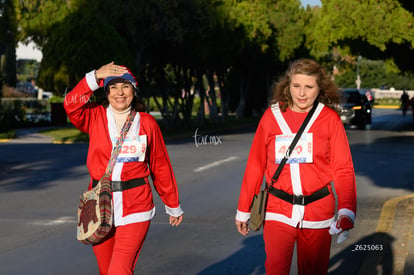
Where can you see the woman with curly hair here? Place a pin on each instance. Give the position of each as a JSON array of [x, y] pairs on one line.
[[301, 206]]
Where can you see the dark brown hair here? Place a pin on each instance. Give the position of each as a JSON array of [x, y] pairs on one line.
[[137, 102], [327, 88]]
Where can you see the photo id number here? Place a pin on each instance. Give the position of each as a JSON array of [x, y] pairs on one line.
[[368, 247]]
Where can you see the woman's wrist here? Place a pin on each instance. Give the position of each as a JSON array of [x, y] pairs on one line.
[[92, 80]]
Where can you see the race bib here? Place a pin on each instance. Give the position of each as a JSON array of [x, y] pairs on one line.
[[303, 152], [133, 149]]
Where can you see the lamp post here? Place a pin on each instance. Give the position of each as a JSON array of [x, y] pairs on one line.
[[358, 80]]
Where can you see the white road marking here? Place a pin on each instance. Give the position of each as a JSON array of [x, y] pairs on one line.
[[61, 220], [214, 164]]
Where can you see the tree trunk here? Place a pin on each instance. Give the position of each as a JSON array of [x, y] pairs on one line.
[[224, 95], [202, 94], [241, 108], [212, 95], [189, 96]]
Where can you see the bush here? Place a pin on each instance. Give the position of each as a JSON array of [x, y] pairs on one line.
[[387, 101], [11, 115], [23, 112]]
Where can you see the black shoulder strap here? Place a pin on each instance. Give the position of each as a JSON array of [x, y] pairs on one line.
[[293, 144]]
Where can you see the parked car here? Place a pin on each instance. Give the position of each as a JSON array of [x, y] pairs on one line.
[[46, 94], [355, 108], [27, 88]]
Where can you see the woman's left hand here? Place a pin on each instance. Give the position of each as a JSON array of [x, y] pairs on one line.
[[342, 224], [175, 221], [110, 69], [242, 227]]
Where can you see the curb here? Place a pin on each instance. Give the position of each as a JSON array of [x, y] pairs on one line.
[[386, 107], [388, 212], [385, 224]]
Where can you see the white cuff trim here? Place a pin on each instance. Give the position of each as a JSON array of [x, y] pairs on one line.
[[175, 212], [242, 216], [347, 212], [91, 80]]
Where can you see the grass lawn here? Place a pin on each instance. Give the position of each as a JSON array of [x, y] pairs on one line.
[[8, 135], [66, 135]]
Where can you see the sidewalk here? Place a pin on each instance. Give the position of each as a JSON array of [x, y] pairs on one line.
[[30, 135]]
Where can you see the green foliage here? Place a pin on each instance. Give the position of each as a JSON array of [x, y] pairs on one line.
[[56, 99], [27, 69], [75, 38], [12, 115], [275, 26], [387, 101], [7, 135], [400, 81], [374, 22], [289, 21], [238, 46], [373, 74], [36, 18], [8, 42], [377, 30]]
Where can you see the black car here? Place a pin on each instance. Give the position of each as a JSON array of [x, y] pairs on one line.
[[355, 108]]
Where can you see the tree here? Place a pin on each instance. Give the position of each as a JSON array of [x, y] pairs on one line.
[[75, 38], [8, 42], [271, 34], [373, 29], [178, 49]]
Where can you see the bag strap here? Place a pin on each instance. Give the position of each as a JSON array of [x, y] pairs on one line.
[[117, 148], [293, 144]]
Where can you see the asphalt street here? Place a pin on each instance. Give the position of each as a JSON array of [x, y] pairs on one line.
[[41, 182]]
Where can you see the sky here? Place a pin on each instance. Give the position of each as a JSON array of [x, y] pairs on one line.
[[30, 51], [310, 2]]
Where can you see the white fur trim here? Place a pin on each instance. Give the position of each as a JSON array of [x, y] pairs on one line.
[[136, 217], [294, 222], [347, 212], [175, 212], [91, 80]]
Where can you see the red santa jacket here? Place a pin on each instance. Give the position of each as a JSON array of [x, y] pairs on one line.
[[332, 161], [136, 204]]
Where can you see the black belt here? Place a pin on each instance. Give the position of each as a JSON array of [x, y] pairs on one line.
[[123, 185], [300, 199]]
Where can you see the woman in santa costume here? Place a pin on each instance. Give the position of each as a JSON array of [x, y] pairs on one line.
[[301, 208], [143, 154]]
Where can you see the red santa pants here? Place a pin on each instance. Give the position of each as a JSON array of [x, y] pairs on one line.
[[119, 253], [313, 248]]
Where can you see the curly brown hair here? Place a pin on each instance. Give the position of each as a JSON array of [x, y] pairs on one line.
[[327, 88]]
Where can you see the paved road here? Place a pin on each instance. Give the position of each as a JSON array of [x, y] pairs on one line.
[[40, 184]]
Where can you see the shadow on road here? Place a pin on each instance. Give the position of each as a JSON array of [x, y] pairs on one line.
[[385, 160], [35, 166], [248, 260], [371, 255]]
